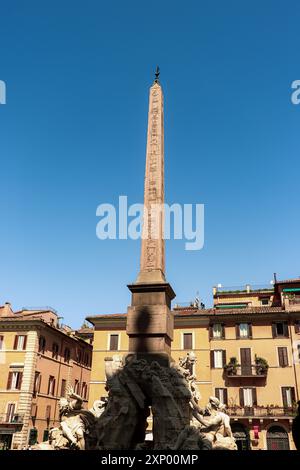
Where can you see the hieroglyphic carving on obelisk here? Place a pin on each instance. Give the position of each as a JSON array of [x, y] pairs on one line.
[[153, 245]]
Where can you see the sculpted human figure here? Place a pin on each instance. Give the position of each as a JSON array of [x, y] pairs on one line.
[[216, 426]]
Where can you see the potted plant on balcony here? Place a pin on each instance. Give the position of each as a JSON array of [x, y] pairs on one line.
[[261, 365], [231, 367]]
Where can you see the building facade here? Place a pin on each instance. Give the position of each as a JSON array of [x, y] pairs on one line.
[[247, 348], [39, 359]]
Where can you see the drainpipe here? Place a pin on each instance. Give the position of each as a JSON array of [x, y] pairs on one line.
[[294, 365], [57, 389]]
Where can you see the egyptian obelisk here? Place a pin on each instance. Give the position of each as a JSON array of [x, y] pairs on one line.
[[149, 321]]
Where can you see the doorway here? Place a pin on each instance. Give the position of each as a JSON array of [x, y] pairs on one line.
[[5, 441], [245, 361]]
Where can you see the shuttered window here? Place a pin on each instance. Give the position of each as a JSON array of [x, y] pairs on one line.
[[67, 355], [288, 396], [280, 329], [114, 343], [51, 385], [248, 397], [283, 357], [55, 349], [63, 388], [48, 412], [42, 344], [14, 381], [221, 394], [37, 383], [20, 342], [76, 386], [187, 341], [243, 330], [217, 331], [218, 358]]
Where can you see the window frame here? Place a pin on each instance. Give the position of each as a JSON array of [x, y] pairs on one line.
[[110, 335]]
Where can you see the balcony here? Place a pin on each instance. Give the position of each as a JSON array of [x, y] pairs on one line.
[[251, 371], [261, 412], [11, 419], [292, 303]]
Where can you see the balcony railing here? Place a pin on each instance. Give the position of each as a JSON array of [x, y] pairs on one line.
[[6, 418], [261, 411], [246, 371], [294, 301], [245, 288]]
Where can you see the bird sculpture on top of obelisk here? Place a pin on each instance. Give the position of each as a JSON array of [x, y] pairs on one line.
[[153, 245], [150, 322]]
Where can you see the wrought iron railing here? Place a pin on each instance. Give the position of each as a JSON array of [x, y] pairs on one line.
[[7, 418], [261, 411], [245, 371], [294, 301], [245, 288]]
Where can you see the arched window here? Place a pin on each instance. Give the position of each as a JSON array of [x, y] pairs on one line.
[[241, 435], [277, 438]]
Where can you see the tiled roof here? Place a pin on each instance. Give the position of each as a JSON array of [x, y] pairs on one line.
[[85, 330], [108, 315], [230, 311], [204, 312]]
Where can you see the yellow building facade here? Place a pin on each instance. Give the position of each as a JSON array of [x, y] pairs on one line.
[[247, 356]]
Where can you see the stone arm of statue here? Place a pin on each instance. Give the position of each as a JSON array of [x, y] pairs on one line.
[[209, 423], [68, 433]]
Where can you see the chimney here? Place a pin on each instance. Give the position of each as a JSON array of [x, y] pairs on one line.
[[6, 310]]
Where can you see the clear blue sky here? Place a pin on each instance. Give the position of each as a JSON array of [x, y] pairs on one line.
[[73, 135]]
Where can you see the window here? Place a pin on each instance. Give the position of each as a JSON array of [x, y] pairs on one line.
[[51, 385], [243, 330], [48, 412], [217, 331], [32, 440], [221, 394], [20, 342], [114, 343], [283, 357], [76, 386], [78, 355], [248, 397], [288, 396], [1, 342], [218, 358], [37, 383], [10, 412], [280, 329], [33, 410], [84, 390], [14, 381], [63, 388], [55, 349], [187, 340], [42, 344], [265, 301], [297, 327], [67, 355]]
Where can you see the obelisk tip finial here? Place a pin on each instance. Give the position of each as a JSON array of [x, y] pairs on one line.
[[157, 73]]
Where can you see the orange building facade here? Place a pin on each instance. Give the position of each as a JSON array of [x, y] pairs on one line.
[[39, 359]]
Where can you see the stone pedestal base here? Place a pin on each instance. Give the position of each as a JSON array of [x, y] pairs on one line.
[[150, 322]]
